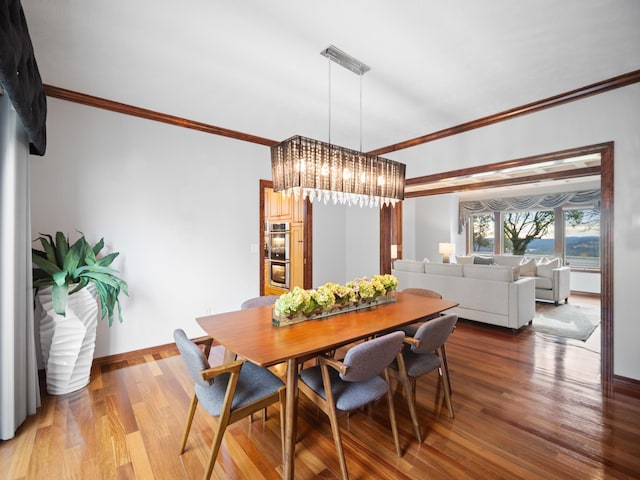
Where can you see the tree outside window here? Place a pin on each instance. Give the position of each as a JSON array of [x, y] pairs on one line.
[[521, 228], [482, 237]]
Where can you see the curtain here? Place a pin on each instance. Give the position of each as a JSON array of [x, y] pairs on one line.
[[19, 74], [19, 387], [533, 202]]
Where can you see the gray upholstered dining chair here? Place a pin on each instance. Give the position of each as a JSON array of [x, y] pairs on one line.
[[259, 301], [229, 392], [410, 330], [423, 292], [425, 354], [341, 386]]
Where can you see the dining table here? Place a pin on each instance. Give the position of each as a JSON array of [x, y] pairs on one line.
[[251, 335]]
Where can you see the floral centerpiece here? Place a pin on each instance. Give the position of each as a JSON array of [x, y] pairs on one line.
[[331, 298]]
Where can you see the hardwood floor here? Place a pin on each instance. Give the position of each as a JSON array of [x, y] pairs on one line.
[[527, 406]]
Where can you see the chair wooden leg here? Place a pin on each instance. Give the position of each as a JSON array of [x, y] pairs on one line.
[[333, 419], [192, 411], [406, 387], [223, 421], [445, 365], [392, 414], [447, 389], [413, 389], [283, 401]]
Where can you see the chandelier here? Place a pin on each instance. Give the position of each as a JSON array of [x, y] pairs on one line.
[[317, 170]]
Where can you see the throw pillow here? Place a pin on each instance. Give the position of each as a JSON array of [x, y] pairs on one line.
[[550, 261], [480, 260], [546, 269], [465, 260], [528, 267]]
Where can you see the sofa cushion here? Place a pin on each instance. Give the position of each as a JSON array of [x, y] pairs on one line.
[[545, 267], [490, 272], [528, 267], [464, 259], [482, 260], [451, 269], [409, 266], [507, 260], [544, 283]]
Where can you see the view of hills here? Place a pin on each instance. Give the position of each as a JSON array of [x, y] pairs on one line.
[[588, 246]]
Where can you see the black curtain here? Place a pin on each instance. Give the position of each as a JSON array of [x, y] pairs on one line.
[[19, 75]]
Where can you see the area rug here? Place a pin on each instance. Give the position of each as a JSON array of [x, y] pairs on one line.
[[567, 320]]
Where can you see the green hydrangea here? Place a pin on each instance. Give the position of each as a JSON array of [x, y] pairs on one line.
[[301, 301]]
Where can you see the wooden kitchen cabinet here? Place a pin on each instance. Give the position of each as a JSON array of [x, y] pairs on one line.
[[278, 206], [297, 256], [297, 206], [271, 290]]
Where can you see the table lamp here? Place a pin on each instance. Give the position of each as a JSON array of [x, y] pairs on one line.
[[445, 249]]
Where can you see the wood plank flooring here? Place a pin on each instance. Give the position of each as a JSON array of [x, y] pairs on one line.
[[528, 406]]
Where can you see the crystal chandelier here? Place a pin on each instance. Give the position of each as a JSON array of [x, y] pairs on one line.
[[318, 170]]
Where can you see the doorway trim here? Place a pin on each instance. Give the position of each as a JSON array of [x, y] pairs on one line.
[[606, 151]]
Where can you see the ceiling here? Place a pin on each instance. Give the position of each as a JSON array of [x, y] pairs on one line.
[[255, 66]]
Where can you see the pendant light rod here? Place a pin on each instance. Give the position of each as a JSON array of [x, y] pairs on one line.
[[329, 63], [361, 112]]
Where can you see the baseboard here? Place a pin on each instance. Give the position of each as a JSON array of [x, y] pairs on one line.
[[626, 386], [584, 294], [121, 357]]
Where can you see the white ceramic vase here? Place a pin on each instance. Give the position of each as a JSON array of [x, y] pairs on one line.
[[68, 342]]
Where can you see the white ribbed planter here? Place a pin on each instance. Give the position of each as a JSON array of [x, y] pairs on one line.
[[68, 342]]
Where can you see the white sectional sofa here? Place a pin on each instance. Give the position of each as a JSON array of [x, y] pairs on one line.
[[488, 294], [553, 281]]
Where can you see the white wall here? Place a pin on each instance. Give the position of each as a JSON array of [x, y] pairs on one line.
[[346, 243], [329, 232], [181, 206], [611, 116], [586, 282], [435, 222], [362, 242]]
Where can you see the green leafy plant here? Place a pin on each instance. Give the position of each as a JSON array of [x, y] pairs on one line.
[[63, 266]]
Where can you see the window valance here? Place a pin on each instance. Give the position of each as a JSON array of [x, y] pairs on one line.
[[532, 202]]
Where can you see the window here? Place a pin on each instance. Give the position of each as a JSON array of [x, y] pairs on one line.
[[582, 238], [482, 236], [533, 233]]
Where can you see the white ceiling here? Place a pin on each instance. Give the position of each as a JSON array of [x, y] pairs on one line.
[[255, 66]]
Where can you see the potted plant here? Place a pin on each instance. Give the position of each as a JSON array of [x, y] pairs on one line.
[[71, 281]]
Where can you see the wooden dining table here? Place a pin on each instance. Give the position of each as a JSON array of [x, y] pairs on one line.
[[250, 334]]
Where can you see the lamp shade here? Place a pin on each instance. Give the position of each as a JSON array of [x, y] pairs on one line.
[[318, 170], [445, 248]]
